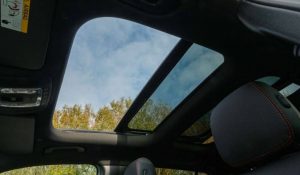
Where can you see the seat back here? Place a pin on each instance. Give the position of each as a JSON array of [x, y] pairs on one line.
[[254, 125]]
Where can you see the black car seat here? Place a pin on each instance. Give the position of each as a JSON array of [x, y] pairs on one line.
[[141, 166], [255, 126]]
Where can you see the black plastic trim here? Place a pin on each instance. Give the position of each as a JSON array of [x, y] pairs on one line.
[[285, 4], [278, 19]]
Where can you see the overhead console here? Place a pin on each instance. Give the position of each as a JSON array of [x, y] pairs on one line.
[[23, 95], [20, 99], [280, 18]]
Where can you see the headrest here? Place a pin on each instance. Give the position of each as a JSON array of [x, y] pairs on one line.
[[254, 123], [141, 166]]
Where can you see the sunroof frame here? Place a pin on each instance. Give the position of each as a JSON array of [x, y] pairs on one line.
[[164, 69]]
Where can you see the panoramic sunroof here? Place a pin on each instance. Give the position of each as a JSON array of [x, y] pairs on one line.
[[110, 61]]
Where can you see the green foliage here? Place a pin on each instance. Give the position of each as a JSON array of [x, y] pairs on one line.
[[150, 116], [74, 117], [108, 117], [162, 171], [79, 170], [78, 117], [55, 170]]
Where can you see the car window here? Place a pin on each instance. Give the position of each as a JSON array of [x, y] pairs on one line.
[[108, 67], [165, 171], [54, 170], [110, 62]]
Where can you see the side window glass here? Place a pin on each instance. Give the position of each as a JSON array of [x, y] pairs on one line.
[[166, 171], [55, 170]]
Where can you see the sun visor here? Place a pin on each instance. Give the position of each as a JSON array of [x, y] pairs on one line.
[[24, 32], [17, 135]]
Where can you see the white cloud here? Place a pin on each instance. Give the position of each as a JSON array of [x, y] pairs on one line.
[[196, 65], [112, 58]]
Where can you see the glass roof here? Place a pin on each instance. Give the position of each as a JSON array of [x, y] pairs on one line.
[[193, 68], [110, 62]]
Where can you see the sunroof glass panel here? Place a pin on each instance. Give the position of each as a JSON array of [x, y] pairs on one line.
[[110, 61], [193, 68]]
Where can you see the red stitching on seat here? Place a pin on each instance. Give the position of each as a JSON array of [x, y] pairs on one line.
[[284, 119]]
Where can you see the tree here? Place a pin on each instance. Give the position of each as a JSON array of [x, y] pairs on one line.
[[105, 119], [163, 171], [55, 170], [150, 116], [108, 117], [73, 117]]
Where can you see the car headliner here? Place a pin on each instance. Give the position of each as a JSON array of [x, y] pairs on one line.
[[41, 57]]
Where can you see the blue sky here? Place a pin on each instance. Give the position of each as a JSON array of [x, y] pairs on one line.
[[112, 58], [193, 68]]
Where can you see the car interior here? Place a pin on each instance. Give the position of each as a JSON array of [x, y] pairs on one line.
[[223, 99]]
